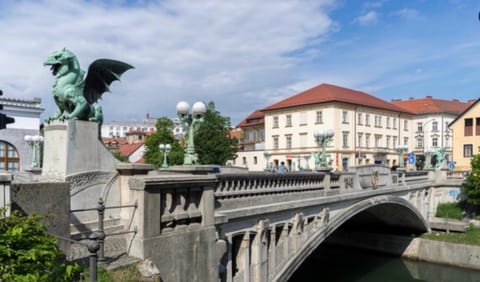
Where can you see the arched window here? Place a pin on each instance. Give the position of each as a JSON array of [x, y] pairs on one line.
[[9, 159]]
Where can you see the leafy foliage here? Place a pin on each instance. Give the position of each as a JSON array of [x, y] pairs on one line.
[[28, 253], [472, 186], [213, 143], [164, 135], [450, 210], [120, 157]]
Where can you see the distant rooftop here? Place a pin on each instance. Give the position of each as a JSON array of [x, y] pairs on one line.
[[429, 105], [324, 93], [254, 118]]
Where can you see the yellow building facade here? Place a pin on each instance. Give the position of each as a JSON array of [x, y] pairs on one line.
[[466, 136]]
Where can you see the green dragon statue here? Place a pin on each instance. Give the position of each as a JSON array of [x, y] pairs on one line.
[[75, 96]]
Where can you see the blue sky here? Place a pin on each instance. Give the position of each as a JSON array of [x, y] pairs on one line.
[[244, 55]]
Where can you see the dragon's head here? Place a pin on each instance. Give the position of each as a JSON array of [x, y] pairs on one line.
[[60, 61]]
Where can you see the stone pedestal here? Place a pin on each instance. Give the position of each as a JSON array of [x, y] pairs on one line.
[[72, 147]]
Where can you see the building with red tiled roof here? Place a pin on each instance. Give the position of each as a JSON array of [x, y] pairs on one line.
[[252, 139], [366, 129], [431, 120], [130, 147]]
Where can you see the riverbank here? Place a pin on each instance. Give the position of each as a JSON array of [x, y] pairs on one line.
[[458, 255]]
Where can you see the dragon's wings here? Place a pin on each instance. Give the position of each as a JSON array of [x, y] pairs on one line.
[[101, 73]]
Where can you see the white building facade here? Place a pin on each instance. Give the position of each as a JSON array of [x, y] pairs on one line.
[[15, 153]]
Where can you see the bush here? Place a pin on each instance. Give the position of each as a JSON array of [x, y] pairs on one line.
[[29, 253], [449, 210]]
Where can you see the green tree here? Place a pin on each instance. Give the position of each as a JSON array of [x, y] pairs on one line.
[[472, 186], [163, 135], [213, 143], [29, 253]]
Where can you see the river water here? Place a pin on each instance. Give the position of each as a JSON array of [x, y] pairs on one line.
[[335, 263]]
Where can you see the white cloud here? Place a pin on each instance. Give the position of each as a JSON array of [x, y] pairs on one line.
[[181, 50], [369, 18], [408, 13]]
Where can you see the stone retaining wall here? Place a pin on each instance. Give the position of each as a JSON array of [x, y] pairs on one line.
[[459, 255]]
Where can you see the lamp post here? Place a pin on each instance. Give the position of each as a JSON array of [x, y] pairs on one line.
[[34, 142], [165, 149], [267, 158], [192, 123], [401, 150], [322, 137]]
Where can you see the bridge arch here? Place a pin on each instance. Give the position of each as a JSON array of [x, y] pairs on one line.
[[402, 211]]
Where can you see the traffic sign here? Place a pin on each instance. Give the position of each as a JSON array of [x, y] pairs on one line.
[[411, 158], [451, 165]]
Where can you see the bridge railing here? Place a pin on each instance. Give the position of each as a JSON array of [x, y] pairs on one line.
[[414, 176], [458, 174]]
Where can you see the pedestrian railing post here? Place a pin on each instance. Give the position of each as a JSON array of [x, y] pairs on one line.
[[101, 232], [93, 248]]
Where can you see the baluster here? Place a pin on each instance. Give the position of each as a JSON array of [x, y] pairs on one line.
[[193, 201], [166, 209]]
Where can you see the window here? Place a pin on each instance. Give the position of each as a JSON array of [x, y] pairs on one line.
[[359, 119], [378, 121], [394, 123], [244, 161], [275, 142], [477, 126], [467, 150], [387, 142], [367, 140], [319, 117], [9, 159], [345, 117], [303, 140], [275, 122], [288, 141], [394, 142], [388, 122], [367, 120], [303, 118], [345, 139], [468, 127], [435, 142], [378, 141], [405, 125], [419, 127], [419, 143], [288, 121], [405, 141], [434, 126], [255, 161], [360, 139]]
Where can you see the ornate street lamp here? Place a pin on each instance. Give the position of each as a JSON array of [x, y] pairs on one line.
[[401, 150], [192, 123], [322, 137], [165, 149], [34, 143]]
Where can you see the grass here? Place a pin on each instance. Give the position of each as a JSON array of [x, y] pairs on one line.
[[470, 237]]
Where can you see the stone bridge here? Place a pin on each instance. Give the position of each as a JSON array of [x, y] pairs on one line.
[[262, 226], [191, 224]]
